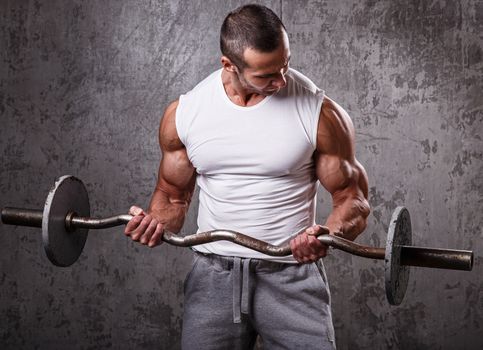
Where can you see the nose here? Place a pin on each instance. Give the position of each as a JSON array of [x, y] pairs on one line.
[[280, 81]]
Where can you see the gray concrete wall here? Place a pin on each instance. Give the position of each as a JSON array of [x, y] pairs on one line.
[[82, 88]]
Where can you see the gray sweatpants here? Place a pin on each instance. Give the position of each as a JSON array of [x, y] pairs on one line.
[[229, 301]]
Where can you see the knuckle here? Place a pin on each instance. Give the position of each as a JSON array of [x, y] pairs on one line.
[[143, 225], [146, 237], [136, 236], [314, 243], [323, 252], [155, 240]]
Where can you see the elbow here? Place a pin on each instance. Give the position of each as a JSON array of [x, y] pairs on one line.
[[360, 222], [364, 211]]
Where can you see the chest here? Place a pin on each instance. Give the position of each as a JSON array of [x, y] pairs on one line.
[[270, 145]]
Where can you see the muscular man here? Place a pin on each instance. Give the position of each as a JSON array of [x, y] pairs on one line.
[[257, 137]]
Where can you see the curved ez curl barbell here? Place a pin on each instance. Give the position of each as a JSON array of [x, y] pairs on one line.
[[65, 221]]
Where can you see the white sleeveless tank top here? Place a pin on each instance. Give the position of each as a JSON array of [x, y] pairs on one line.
[[254, 165]]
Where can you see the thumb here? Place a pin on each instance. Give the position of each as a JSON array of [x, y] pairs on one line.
[[318, 230], [134, 210]]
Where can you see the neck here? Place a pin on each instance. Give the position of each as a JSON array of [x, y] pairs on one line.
[[236, 92]]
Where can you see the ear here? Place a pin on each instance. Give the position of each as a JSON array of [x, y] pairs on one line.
[[228, 65]]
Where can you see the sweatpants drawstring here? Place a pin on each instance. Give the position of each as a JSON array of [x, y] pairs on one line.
[[241, 290]]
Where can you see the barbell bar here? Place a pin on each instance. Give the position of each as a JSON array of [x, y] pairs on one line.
[[65, 221]]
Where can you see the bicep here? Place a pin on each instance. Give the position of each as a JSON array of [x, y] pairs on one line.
[[341, 177], [176, 173], [336, 166]]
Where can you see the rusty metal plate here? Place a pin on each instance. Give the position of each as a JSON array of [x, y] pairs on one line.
[[397, 275], [63, 247]]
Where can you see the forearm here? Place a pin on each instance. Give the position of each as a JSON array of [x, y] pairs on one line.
[[169, 210], [349, 215]]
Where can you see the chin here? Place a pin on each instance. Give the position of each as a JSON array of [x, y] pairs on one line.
[[270, 92]]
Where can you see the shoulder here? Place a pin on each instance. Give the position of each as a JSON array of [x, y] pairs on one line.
[[302, 83], [331, 111], [192, 100], [168, 135], [335, 132], [207, 82]]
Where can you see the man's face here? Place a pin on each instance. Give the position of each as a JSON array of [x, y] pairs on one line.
[[264, 73]]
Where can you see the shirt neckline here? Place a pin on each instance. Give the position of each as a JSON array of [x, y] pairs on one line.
[[234, 105]]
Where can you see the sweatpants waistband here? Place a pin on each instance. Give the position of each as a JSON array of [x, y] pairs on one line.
[[242, 270], [257, 265]]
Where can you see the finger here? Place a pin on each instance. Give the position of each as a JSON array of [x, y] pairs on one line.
[[311, 230], [322, 230], [320, 253], [146, 236], [314, 244], [307, 248], [312, 249], [139, 231], [306, 251], [319, 249], [156, 238], [304, 248], [132, 224], [294, 246], [308, 259]]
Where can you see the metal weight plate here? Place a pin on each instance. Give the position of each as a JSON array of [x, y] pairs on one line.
[[396, 275], [63, 247]]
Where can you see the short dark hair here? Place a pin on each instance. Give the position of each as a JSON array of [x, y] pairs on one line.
[[250, 26]]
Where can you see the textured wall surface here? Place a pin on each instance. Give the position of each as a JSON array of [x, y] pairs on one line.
[[82, 88]]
